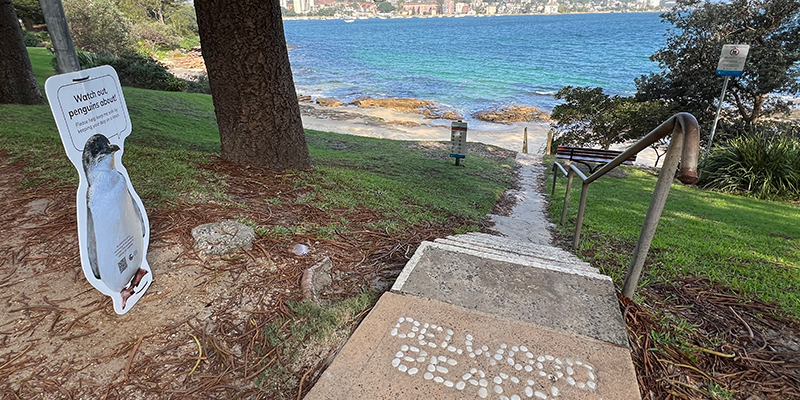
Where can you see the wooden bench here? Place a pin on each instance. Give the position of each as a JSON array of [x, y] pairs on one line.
[[585, 156]]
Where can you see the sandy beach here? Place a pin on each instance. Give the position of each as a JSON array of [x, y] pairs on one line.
[[386, 123], [391, 124]]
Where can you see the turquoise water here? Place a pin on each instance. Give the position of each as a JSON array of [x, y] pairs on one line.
[[473, 63]]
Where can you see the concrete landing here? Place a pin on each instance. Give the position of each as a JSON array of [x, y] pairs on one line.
[[411, 347], [571, 300]]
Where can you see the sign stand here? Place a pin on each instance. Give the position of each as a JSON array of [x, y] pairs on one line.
[[731, 63], [113, 230], [458, 140]]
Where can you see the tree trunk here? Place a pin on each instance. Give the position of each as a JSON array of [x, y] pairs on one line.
[[17, 82], [28, 24], [59, 34], [245, 51]]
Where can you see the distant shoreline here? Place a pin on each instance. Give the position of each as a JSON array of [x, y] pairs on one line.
[[303, 18]]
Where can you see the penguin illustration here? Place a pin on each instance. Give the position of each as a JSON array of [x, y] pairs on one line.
[[115, 228]]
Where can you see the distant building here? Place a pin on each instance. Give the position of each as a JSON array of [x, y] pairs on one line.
[[551, 8], [303, 6], [427, 8], [368, 7], [284, 3], [449, 7]]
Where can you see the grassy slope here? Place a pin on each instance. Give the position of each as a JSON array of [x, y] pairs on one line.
[[746, 244], [174, 132]]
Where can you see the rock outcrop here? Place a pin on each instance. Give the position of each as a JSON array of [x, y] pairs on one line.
[[512, 114]]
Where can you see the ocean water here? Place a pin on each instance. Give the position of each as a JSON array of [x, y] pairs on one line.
[[473, 63]]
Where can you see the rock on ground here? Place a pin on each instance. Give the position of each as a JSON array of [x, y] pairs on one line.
[[219, 238]]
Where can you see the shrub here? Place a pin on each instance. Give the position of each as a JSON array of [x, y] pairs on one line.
[[198, 84], [764, 165], [30, 39], [43, 37], [134, 70], [98, 26]]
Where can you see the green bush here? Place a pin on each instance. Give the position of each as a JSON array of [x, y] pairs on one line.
[[134, 70], [98, 26], [30, 39], [761, 164], [198, 84]]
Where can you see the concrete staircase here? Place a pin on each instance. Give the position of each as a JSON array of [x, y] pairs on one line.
[[478, 316]]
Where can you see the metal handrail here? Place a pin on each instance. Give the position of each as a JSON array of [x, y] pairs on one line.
[[684, 147]]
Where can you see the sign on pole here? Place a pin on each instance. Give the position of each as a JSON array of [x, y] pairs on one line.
[[113, 229], [458, 140], [731, 61]]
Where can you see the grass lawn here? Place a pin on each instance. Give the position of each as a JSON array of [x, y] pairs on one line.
[[365, 205], [173, 133], [749, 245]]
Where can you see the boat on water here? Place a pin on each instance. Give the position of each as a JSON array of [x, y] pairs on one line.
[[348, 20]]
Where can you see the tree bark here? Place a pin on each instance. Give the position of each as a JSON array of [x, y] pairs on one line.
[[17, 82], [28, 24], [252, 87], [58, 29]]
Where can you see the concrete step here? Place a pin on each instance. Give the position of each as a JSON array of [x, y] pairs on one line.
[[410, 347], [501, 245], [549, 295]]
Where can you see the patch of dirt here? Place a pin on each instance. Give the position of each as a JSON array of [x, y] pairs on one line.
[[744, 346], [505, 204], [199, 331], [185, 60]]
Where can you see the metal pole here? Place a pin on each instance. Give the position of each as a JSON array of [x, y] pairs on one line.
[[576, 240], [570, 175], [716, 118], [549, 142], [660, 193], [555, 175], [59, 32]]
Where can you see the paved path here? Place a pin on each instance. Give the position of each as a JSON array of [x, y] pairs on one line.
[[478, 316], [528, 220]]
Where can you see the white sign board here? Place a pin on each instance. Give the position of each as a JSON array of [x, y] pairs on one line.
[[113, 229], [731, 61], [458, 139]]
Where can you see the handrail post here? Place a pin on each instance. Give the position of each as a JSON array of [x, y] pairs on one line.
[[576, 239], [660, 193], [570, 175]]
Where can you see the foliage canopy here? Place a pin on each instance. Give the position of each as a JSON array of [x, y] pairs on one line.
[[590, 117], [689, 58]]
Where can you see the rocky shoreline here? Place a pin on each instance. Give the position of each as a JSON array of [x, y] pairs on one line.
[[506, 115], [190, 65]]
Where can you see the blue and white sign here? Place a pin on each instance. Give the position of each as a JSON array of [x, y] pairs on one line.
[[731, 61]]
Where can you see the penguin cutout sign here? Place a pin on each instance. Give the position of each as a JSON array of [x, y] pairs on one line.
[[113, 229]]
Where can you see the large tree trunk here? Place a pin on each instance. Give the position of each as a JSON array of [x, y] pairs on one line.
[[244, 48], [17, 82]]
